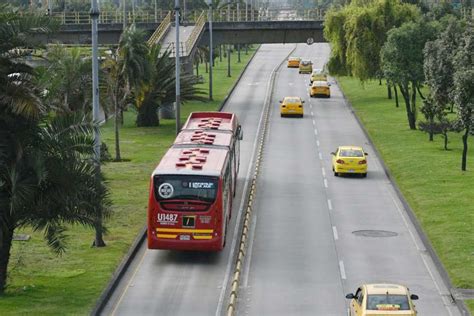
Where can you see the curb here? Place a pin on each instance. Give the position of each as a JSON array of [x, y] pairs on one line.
[[141, 237], [119, 272], [409, 211], [245, 230]]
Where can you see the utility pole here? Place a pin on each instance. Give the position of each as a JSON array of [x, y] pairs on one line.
[[178, 68], [124, 8], [228, 45], [211, 52], [99, 241]]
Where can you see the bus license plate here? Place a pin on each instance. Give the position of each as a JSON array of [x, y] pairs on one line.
[[184, 237]]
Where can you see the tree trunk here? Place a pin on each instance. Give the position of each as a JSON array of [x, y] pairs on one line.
[[419, 92], [431, 133], [5, 246], [464, 149], [197, 68], [238, 53], [147, 114], [220, 52], [389, 90], [445, 140], [117, 141], [207, 69], [406, 96], [99, 228], [396, 95], [413, 106]]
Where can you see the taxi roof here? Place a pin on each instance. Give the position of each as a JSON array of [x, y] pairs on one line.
[[192, 161], [203, 137], [382, 288], [222, 121], [294, 58]]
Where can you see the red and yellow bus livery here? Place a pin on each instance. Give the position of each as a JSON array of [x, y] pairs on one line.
[[192, 188]]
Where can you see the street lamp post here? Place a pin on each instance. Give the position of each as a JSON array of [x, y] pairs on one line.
[[211, 49], [94, 13], [178, 68]]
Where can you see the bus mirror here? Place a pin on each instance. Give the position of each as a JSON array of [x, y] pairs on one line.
[[240, 133]]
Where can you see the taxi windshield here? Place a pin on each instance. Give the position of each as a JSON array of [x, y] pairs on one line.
[[185, 187], [292, 100], [351, 153], [305, 63], [387, 302]]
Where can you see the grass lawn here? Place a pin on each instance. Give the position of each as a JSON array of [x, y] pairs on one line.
[[41, 283], [430, 178]]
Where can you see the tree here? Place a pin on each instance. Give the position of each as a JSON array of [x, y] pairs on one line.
[[463, 93], [39, 156], [402, 60], [160, 88], [125, 71], [358, 31], [68, 80]]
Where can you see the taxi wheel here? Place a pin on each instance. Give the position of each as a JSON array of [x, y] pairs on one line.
[[336, 174], [301, 115], [364, 175]]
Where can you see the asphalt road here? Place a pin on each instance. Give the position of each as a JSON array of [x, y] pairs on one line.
[[161, 282], [303, 255]]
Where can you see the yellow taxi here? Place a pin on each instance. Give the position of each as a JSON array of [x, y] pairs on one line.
[[349, 160], [291, 106], [293, 62], [320, 89], [318, 75], [306, 67], [382, 300]]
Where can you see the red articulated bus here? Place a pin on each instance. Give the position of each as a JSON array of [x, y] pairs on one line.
[[192, 188]]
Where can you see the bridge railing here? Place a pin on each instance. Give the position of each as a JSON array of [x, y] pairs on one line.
[[219, 15], [109, 17], [160, 30], [193, 37]]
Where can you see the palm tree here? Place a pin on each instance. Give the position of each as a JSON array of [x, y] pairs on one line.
[[125, 71], [39, 156], [159, 90]]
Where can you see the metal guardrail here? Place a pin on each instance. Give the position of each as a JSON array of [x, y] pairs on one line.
[[109, 17], [198, 27], [219, 15], [160, 30]]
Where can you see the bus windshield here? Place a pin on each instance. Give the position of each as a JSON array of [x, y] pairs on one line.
[[185, 187]]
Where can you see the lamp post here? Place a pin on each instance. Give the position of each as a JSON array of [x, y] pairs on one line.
[[94, 13], [178, 68], [211, 49]]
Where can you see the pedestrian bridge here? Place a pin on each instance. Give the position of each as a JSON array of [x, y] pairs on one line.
[[229, 27]]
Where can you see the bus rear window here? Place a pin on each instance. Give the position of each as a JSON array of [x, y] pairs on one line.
[[180, 187]]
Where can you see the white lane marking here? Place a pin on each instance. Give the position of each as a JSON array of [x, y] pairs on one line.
[[323, 171], [316, 131], [343, 271], [326, 183], [320, 156], [314, 122], [236, 231], [311, 106], [312, 114], [290, 83], [249, 252], [334, 231], [317, 143], [128, 284], [329, 204]]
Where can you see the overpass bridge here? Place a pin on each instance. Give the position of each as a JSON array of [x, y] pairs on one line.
[[229, 27]]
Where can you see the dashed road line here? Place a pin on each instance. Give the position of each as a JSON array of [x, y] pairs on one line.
[[314, 122], [334, 231], [316, 131], [342, 270], [317, 143], [320, 156], [323, 171], [325, 182], [329, 204], [312, 114]]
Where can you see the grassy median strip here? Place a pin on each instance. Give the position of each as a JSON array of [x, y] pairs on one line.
[[430, 178], [41, 283]]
